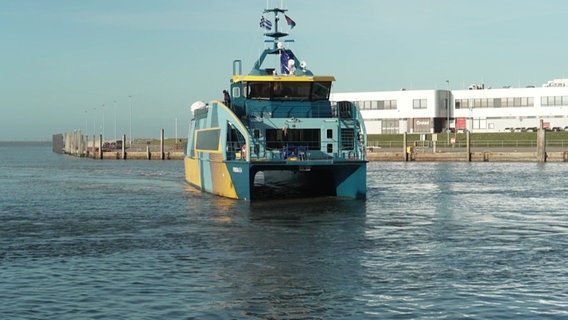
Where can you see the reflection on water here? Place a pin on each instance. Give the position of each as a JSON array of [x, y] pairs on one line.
[[291, 258]]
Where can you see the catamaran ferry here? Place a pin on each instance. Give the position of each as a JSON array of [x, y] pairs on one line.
[[277, 128]]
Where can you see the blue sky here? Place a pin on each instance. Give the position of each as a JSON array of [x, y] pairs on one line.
[[63, 63]]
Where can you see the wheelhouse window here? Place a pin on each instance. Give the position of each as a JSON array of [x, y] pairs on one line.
[[288, 90], [258, 90], [309, 139], [321, 90]]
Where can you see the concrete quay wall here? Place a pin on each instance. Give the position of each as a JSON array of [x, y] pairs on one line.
[[138, 155], [491, 156]]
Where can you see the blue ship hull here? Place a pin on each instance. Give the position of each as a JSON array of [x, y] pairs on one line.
[[302, 179]]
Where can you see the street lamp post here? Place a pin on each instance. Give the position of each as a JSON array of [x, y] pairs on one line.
[[103, 128], [94, 121], [86, 126], [470, 115], [130, 133], [448, 112], [114, 120]]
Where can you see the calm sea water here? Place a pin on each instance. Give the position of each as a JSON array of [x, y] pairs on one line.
[[88, 239]]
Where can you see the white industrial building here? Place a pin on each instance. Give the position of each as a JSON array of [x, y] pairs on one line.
[[477, 109]]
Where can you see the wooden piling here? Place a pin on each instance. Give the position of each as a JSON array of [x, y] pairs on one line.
[[80, 144], [541, 143], [404, 149], [123, 156], [100, 146], [468, 146], [86, 146], [94, 146], [162, 154]]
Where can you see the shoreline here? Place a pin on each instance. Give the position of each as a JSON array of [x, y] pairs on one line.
[[381, 156], [480, 156]]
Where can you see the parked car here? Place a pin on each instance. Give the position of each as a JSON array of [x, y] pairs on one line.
[[557, 129], [112, 145]]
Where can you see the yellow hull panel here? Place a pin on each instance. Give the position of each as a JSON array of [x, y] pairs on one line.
[[219, 178], [192, 174]]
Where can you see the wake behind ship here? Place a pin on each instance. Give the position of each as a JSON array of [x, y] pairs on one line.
[[277, 129]]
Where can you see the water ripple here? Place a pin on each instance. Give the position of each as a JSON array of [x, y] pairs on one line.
[[84, 239]]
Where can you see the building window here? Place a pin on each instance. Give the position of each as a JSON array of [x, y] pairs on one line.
[[554, 101], [376, 104], [389, 126], [462, 103], [387, 104], [419, 103], [499, 102]]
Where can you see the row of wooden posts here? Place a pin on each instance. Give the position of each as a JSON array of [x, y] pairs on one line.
[[73, 143], [123, 154], [541, 154]]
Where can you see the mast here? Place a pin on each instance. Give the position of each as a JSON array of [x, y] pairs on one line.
[[277, 34], [278, 48]]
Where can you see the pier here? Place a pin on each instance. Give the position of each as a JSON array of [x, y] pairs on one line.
[[78, 145]]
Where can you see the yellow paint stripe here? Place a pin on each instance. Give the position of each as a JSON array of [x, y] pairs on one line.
[[242, 78]]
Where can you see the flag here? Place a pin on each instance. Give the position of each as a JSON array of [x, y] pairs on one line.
[[290, 22], [265, 23], [285, 56]]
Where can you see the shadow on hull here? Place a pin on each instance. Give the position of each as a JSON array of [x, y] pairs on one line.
[[313, 183]]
